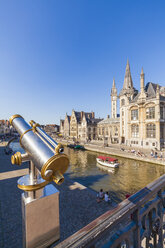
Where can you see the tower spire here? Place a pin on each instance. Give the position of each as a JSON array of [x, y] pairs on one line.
[[113, 100], [142, 80], [113, 90], [128, 84], [113, 85], [142, 95]]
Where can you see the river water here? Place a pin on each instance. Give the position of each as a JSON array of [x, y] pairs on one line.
[[130, 177]]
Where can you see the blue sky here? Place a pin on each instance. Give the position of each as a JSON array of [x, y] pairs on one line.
[[58, 55]]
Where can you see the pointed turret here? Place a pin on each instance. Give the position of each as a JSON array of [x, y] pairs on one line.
[[113, 100], [142, 81], [113, 85], [128, 84], [142, 95], [113, 90], [157, 91]]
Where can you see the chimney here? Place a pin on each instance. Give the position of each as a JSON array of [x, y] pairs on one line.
[[108, 116]]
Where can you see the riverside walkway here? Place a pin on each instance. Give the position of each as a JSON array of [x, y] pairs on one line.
[[122, 151], [78, 206]]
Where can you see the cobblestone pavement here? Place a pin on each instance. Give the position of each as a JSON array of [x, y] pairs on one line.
[[78, 206]]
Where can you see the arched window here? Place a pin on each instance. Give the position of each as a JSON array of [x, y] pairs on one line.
[[150, 130], [135, 131]]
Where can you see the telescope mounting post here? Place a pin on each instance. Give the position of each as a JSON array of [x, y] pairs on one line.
[[40, 202]]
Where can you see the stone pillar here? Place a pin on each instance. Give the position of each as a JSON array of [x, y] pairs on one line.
[[158, 135]]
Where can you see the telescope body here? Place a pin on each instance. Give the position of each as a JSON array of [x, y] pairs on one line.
[[42, 150], [40, 202], [38, 151]]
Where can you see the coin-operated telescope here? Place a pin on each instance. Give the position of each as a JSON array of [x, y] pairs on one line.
[[40, 202]]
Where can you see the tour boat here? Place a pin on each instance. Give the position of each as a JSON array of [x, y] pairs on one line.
[[108, 161]]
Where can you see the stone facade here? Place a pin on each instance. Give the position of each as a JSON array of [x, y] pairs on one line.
[[88, 128], [75, 120], [108, 130], [83, 126], [142, 114], [80, 126], [67, 126], [51, 128], [113, 100], [62, 127], [141, 122], [5, 128]]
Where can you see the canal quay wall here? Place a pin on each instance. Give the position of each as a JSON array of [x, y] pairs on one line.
[[115, 150], [78, 205]]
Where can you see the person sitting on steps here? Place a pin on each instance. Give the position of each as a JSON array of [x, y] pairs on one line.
[[100, 195], [107, 197]]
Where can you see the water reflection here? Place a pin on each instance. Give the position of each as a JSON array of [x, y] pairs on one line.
[[130, 177]]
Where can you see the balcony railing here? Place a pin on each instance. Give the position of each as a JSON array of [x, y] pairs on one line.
[[135, 223]]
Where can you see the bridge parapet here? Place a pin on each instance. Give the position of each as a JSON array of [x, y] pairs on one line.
[[137, 222]]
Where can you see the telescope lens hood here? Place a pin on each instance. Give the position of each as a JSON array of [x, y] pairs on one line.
[[13, 117]]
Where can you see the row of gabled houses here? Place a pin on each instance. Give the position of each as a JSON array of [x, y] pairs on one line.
[[141, 122], [80, 126], [83, 126], [5, 128]]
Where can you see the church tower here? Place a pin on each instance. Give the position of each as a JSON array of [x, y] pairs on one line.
[[113, 100], [126, 95]]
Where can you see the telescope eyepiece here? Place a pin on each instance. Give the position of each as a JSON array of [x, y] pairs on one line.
[[58, 178]]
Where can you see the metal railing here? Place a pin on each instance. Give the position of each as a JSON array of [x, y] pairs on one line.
[[137, 222]]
